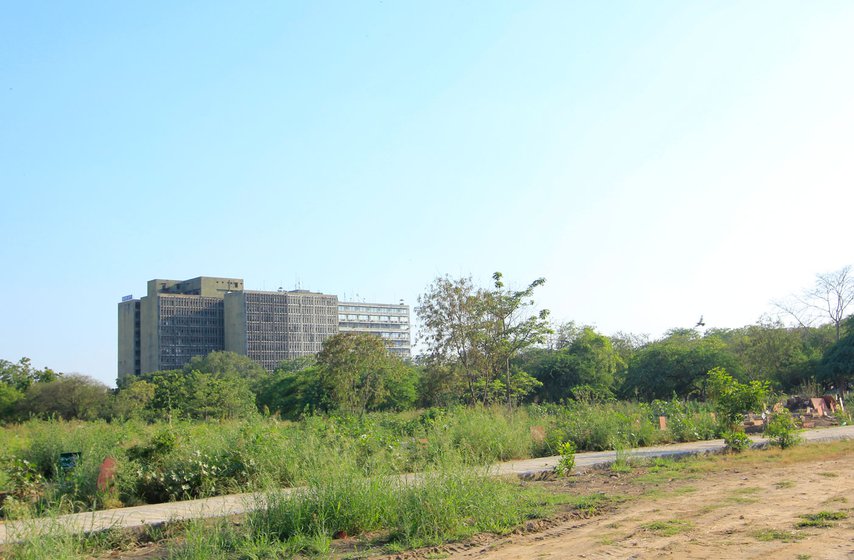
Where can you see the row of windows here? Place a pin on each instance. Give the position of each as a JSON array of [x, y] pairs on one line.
[[377, 310], [373, 318], [290, 299], [394, 335], [288, 318], [263, 327], [372, 327], [207, 332], [206, 341], [294, 309], [198, 349], [285, 338]]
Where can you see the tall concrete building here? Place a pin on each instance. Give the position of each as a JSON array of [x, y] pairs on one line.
[[273, 326], [388, 321], [177, 320]]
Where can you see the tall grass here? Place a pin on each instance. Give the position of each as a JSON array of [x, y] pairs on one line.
[[182, 459]]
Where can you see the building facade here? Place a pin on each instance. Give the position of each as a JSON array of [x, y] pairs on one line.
[[177, 320], [270, 327], [388, 321]]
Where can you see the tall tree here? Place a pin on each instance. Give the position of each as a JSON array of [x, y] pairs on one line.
[[830, 298], [513, 327], [453, 320], [837, 364], [357, 371], [479, 332]]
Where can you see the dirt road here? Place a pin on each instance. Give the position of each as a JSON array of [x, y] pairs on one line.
[[741, 509]]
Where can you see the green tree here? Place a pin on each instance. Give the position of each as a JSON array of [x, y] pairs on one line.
[[22, 375], [589, 360], [198, 394], [293, 389], [9, 399], [476, 333], [172, 392], [511, 329], [733, 399], [771, 351], [70, 396], [218, 396], [837, 365], [357, 371], [676, 365], [228, 365], [132, 401], [453, 324]]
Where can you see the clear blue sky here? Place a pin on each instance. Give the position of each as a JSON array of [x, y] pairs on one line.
[[653, 160]]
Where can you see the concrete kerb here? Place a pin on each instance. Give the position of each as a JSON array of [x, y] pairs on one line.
[[154, 515]]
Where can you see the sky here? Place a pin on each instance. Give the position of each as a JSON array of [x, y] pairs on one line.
[[653, 161]]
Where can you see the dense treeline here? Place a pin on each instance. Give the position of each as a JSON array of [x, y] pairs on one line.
[[355, 374], [481, 345]]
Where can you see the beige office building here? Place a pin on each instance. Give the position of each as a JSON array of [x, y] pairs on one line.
[[177, 320]]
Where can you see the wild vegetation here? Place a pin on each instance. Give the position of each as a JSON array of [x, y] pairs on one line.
[[496, 382]]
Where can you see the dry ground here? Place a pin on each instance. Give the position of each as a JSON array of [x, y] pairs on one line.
[[719, 507]]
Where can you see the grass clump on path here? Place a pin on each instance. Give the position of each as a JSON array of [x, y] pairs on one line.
[[821, 519], [668, 528]]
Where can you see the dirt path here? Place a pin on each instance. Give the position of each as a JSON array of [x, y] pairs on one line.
[[745, 510]]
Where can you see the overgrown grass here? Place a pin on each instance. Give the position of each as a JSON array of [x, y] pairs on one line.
[[181, 460]]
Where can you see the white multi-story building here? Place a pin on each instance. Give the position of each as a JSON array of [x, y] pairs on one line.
[[386, 320]]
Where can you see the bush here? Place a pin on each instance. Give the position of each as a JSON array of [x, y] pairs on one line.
[[567, 459], [782, 430], [736, 441]]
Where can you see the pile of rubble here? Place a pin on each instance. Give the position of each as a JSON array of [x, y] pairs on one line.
[[814, 411]]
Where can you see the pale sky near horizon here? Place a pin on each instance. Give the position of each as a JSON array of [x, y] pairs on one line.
[[654, 161]]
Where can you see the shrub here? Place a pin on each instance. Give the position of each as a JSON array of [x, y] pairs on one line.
[[567, 459], [782, 430], [736, 441]]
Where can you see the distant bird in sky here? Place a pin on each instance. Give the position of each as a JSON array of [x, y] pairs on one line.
[[700, 323]]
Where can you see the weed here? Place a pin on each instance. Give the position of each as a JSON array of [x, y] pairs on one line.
[[828, 474], [622, 459], [667, 528], [821, 519], [767, 535], [784, 484]]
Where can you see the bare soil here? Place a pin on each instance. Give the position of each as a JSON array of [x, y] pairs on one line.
[[724, 507]]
